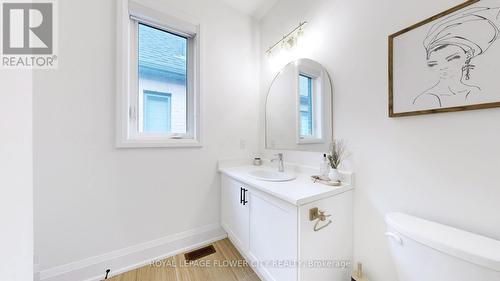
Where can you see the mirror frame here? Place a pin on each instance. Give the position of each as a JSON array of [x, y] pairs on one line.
[[330, 83]]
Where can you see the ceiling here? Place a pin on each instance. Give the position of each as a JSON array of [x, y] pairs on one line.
[[255, 8]]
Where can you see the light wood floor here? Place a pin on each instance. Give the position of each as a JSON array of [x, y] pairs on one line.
[[225, 265]]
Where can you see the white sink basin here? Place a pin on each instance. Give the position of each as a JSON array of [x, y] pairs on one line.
[[266, 175]]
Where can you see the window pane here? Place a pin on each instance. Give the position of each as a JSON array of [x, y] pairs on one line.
[[306, 114], [156, 107], [162, 81]]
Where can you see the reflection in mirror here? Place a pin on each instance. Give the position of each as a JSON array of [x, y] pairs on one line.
[[299, 108]]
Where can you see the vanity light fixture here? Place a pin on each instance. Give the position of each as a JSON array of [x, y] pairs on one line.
[[290, 40]]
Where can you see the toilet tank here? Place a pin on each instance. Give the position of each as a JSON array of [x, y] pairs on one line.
[[427, 251]]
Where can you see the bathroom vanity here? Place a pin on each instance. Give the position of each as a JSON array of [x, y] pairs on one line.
[[286, 226], [290, 230]]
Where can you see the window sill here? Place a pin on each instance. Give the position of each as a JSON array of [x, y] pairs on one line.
[[159, 143], [310, 141]]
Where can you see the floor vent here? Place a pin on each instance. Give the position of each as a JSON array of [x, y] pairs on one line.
[[200, 253]]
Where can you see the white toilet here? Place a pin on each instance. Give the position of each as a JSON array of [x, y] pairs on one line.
[[428, 251]]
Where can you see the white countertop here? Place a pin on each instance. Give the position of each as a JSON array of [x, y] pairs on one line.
[[299, 191]]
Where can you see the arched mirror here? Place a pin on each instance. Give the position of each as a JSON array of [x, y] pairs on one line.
[[299, 108]]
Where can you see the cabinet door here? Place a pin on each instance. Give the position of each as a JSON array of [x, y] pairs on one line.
[[234, 212], [332, 244], [273, 237]]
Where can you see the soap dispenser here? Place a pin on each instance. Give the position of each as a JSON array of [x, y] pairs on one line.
[[324, 167]]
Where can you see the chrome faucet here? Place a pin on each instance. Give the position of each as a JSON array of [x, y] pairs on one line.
[[281, 167]]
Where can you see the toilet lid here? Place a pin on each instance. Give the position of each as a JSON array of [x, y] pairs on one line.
[[471, 247]]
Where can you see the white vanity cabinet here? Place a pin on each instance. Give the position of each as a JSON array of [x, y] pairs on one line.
[[235, 212], [277, 236], [273, 237]]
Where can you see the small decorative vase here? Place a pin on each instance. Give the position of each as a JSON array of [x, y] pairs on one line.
[[334, 175]]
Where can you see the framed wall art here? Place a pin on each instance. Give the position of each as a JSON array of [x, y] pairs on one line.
[[449, 62]]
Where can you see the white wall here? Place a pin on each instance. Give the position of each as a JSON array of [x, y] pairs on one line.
[[16, 176], [92, 198], [441, 167]]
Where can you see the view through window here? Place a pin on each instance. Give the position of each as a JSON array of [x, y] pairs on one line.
[[162, 81], [306, 106]]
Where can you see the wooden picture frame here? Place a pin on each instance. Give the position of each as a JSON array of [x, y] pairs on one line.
[[433, 28]]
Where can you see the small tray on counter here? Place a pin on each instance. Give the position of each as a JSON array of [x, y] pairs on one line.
[[325, 181]]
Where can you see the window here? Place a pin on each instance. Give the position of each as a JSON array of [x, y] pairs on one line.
[[306, 106], [310, 104], [157, 112], [159, 79], [162, 69]]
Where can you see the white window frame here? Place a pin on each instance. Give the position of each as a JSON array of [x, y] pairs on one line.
[[318, 100], [128, 132]]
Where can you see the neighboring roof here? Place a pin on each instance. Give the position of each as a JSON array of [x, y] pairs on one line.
[[162, 52]]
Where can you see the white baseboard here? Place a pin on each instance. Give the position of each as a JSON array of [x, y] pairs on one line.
[[120, 261]]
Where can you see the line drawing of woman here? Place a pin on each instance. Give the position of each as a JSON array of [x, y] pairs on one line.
[[451, 44]]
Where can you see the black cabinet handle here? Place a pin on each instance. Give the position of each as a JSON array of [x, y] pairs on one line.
[[245, 196], [241, 196]]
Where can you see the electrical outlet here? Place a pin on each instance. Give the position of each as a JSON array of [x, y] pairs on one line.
[[243, 144]]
